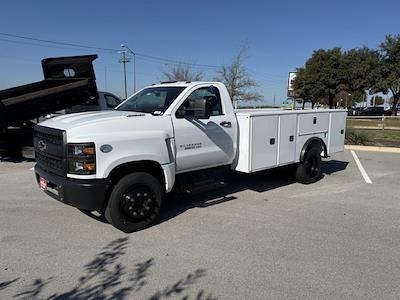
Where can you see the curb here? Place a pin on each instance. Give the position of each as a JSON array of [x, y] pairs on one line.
[[372, 148]]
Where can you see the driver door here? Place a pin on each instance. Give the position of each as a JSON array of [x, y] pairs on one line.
[[203, 143]]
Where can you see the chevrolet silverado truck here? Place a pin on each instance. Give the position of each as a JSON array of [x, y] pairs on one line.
[[173, 135]]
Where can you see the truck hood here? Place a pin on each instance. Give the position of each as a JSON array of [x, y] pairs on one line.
[[84, 126]]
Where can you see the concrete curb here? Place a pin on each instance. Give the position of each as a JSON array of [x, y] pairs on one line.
[[372, 148]]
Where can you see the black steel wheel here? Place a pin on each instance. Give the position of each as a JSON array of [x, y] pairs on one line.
[[135, 202], [309, 170]]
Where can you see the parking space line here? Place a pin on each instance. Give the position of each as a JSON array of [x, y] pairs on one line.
[[361, 168]]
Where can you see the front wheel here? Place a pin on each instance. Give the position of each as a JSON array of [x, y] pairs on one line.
[[135, 202], [309, 170]]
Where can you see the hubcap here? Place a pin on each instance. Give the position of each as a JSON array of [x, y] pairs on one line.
[[138, 203]]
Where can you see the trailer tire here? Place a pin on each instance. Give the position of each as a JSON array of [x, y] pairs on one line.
[[135, 202], [309, 170]]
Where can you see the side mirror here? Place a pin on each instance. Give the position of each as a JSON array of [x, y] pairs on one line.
[[202, 108], [199, 109]]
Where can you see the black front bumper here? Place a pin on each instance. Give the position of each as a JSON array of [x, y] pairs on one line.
[[87, 194]]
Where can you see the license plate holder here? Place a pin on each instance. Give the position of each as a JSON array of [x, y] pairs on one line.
[[42, 184]]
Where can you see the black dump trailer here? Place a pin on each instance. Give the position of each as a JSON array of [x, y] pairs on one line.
[[68, 81]]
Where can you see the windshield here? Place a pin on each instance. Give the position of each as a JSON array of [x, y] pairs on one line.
[[153, 100]]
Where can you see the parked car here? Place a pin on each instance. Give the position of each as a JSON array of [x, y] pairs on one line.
[[106, 101], [373, 111]]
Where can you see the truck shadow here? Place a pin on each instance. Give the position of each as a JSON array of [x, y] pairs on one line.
[[176, 204], [106, 277]]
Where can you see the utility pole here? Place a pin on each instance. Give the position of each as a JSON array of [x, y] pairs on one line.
[[274, 99], [134, 65], [124, 60], [105, 77]]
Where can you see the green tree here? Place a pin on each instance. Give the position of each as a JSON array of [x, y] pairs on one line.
[[326, 67], [237, 80], [306, 86], [357, 70], [387, 73], [182, 72]]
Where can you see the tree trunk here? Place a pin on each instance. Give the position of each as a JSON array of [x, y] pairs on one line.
[[396, 98], [312, 104], [304, 103], [330, 101]]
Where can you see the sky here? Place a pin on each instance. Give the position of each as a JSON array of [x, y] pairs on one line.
[[280, 36]]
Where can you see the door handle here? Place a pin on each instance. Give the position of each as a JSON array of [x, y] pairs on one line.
[[226, 124]]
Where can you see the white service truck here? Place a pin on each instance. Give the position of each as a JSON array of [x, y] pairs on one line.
[[174, 134]]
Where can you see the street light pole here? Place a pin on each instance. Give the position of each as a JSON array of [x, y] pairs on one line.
[[134, 65]]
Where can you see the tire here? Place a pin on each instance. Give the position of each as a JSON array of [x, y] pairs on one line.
[[135, 202], [309, 170]]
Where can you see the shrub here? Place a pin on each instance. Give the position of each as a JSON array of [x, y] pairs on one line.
[[354, 137]]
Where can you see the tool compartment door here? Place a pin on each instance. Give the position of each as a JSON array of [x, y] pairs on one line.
[[287, 138], [336, 132], [264, 142], [310, 123]]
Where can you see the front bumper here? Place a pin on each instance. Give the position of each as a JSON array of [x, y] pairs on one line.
[[86, 194]]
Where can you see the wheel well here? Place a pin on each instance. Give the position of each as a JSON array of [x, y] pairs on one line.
[[314, 143], [147, 166]]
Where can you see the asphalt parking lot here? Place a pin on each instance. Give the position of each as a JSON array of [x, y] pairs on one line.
[[261, 237]]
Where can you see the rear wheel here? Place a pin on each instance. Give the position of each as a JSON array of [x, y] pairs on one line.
[[309, 170], [135, 202]]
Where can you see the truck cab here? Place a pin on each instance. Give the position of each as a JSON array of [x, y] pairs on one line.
[[122, 162]]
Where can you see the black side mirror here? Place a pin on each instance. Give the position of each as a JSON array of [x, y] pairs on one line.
[[199, 109], [202, 108]]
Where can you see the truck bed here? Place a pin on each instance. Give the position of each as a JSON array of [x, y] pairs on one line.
[[39, 99], [274, 137], [68, 81]]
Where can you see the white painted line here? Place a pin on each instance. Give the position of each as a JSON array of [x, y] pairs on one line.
[[32, 168], [361, 168]]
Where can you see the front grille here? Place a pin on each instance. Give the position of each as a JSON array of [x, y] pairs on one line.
[[50, 149], [51, 164]]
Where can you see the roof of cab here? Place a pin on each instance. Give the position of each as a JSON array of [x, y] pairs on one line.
[[181, 83]]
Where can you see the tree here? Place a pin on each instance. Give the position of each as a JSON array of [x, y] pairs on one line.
[[237, 80], [306, 86], [358, 66], [387, 73], [182, 72], [327, 69]]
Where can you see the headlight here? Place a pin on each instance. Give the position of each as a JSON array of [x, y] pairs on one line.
[[82, 158], [81, 149]]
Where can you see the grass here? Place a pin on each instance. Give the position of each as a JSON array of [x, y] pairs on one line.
[[373, 137], [389, 122]]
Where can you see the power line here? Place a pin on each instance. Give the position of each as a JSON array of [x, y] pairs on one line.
[[104, 49], [55, 42], [39, 45]]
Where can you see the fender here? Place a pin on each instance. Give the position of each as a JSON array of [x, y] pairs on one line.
[[312, 142]]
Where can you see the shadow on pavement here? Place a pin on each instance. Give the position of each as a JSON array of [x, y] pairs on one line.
[[105, 277], [15, 159], [333, 166], [176, 204], [5, 284]]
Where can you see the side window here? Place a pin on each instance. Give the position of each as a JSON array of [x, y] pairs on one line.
[[111, 101], [210, 93]]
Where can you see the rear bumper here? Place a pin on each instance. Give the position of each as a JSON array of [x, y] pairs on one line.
[[83, 194]]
